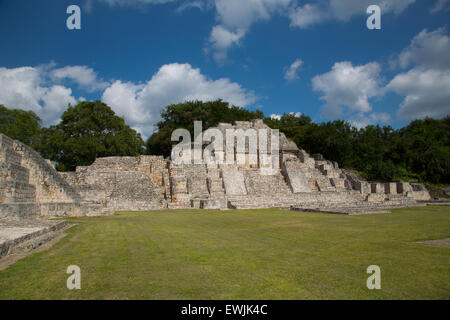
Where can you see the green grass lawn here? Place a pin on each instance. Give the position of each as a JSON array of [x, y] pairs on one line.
[[253, 254]]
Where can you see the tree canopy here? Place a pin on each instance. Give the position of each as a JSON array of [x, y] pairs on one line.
[[417, 152], [88, 131], [183, 115], [20, 125]]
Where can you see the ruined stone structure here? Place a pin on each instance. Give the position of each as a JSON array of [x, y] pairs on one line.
[[31, 188]]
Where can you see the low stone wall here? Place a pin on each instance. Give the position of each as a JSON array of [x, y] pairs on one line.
[[128, 189], [26, 235]]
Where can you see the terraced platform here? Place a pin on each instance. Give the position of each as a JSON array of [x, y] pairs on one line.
[[355, 209], [21, 236]]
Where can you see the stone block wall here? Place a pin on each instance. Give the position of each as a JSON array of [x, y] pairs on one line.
[[50, 186], [234, 181], [30, 187], [17, 195], [295, 176], [121, 183], [258, 184]]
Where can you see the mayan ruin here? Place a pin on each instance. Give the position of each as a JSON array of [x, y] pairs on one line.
[[33, 191], [224, 159]]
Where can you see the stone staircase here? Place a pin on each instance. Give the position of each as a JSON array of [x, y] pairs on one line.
[[334, 178], [258, 184], [31, 188], [179, 197], [215, 183], [286, 201], [17, 195], [50, 186]]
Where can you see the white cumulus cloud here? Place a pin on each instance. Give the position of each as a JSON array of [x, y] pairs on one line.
[[426, 91], [38, 89], [291, 73], [199, 4], [308, 14], [441, 5], [235, 17], [275, 116], [25, 88], [363, 120], [348, 86], [426, 86], [82, 75], [428, 49], [221, 39], [141, 104]]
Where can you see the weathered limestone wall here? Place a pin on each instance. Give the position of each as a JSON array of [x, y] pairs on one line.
[[301, 199], [234, 181], [122, 183], [17, 196], [295, 176], [259, 184], [50, 186], [14, 179], [30, 187], [19, 211]]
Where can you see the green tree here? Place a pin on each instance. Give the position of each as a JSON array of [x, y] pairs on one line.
[[88, 131], [426, 149], [20, 125], [183, 115], [420, 151]]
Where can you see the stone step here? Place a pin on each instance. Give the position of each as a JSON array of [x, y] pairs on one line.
[[49, 184], [258, 184], [25, 235], [12, 191], [17, 210], [13, 172]]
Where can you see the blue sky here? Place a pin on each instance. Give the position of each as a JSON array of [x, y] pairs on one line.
[[312, 57]]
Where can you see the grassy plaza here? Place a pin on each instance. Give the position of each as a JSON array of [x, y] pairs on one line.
[[250, 254]]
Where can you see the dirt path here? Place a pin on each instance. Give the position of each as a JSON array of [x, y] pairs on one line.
[[440, 242]]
